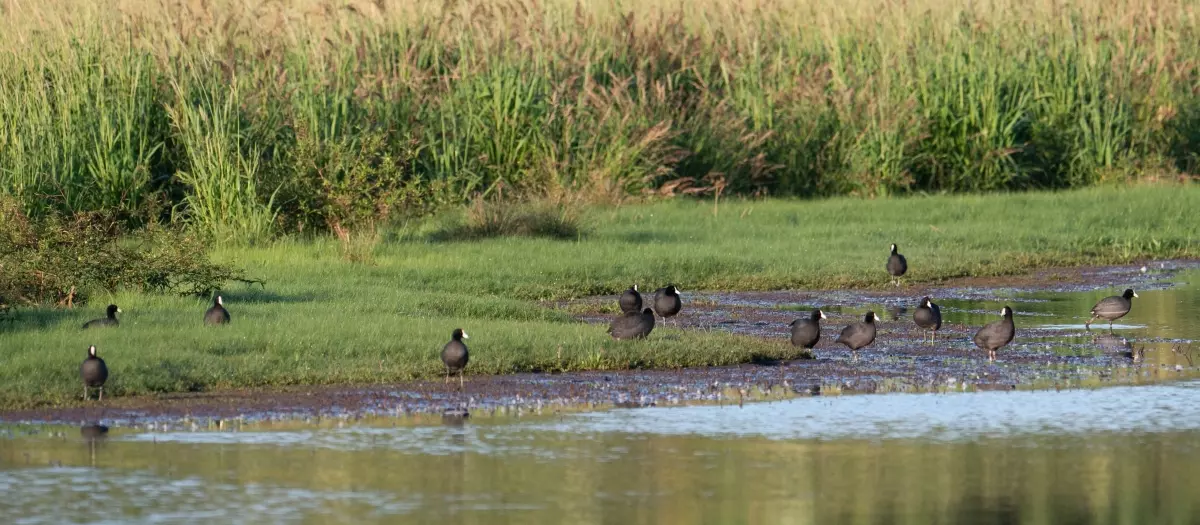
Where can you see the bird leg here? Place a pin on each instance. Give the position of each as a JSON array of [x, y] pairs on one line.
[[85, 396], [101, 394], [460, 380], [991, 355], [447, 378]]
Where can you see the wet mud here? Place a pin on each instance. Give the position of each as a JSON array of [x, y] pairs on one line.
[[900, 360]]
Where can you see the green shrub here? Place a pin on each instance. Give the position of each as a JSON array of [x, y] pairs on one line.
[[348, 185], [55, 260]]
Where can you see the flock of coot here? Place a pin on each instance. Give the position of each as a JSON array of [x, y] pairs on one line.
[[94, 372], [637, 321]]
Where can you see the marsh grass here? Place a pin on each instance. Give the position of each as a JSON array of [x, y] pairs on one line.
[[256, 118], [323, 319]]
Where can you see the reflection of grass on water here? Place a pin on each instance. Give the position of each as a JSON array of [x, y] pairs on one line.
[[1099, 477], [325, 320]]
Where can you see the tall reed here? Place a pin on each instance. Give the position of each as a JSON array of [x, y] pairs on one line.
[[221, 177], [251, 117]]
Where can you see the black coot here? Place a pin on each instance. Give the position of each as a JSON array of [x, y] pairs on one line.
[[217, 314], [110, 320], [93, 431], [631, 300], [1112, 308], [93, 372], [860, 334], [455, 355], [896, 265], [929, 317], [806, 332], [632, 325], [996, 334], [666, 301]]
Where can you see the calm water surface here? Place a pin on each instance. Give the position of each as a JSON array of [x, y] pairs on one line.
[[1167, 309], [1114, 455]]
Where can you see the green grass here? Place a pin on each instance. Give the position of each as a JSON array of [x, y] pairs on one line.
[[761, 245], [324, 320]]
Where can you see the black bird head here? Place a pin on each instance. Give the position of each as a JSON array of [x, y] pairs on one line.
[[1129, 293], [458, 334]]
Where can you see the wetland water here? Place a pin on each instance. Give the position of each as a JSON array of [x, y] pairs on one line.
[[1125, 454], [1114, 455]]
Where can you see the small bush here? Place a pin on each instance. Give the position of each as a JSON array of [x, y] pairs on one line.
[[347, 185], [57, 260], [497, 217]]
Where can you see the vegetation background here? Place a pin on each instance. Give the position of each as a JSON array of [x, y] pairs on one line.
[[249, 119], [396, 169]]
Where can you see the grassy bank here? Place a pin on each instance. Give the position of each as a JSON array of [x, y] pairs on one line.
[[322, 319], [251, 119]]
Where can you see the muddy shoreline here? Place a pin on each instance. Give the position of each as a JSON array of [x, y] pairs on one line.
[[899, 362]]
